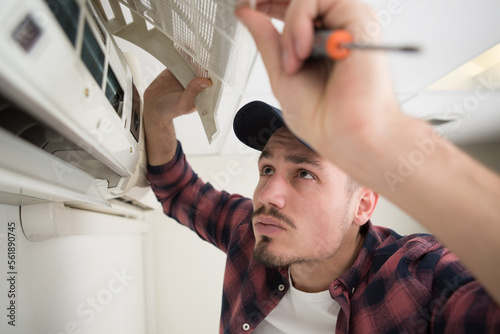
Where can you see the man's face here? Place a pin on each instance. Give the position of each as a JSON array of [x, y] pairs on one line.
[[302, 206]]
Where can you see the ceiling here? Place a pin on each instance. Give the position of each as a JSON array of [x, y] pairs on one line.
[[449, 32]]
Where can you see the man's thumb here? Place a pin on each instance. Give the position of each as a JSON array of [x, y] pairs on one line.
[[193, 89]]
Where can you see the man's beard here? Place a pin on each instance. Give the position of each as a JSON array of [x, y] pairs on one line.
[[261, 253], [263, 256]]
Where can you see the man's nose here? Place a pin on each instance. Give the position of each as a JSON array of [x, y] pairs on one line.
[[273, 193]]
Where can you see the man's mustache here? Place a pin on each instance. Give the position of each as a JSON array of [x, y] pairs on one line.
[[275, 214]]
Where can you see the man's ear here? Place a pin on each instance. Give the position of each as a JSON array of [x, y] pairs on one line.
[[367, 201]]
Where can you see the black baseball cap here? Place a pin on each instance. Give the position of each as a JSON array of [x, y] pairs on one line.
[[255, 123]]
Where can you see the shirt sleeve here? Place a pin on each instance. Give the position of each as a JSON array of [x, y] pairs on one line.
[[462, 305], [214, 215]]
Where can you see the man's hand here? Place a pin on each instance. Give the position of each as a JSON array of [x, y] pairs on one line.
[[164, 100], [337, 106]]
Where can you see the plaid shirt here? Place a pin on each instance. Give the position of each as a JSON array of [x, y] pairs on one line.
[[397, 284]]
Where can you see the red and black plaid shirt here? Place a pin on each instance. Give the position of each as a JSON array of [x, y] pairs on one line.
[[397, 284]]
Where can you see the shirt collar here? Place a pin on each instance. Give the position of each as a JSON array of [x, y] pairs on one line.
[[352, 277]]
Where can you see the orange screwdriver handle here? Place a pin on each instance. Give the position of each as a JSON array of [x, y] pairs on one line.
[[334, 43], [328, 43]]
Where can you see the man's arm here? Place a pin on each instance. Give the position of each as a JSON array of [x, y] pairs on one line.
[[212, 214], [164, 100], [348, 113]]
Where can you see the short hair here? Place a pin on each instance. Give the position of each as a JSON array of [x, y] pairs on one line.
[[351, 186]]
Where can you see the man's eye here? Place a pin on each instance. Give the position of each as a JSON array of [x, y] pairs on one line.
[[267, 171], [305, 174]]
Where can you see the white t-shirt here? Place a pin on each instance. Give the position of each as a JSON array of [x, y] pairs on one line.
[[301, 312]]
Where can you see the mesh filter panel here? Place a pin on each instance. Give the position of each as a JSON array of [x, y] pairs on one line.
[[206, 33]]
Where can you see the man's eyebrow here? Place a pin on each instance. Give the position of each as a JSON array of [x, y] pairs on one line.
[[296, 159], [265, 155], [302, 159]]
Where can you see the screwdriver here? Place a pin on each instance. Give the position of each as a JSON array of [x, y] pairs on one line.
[[337, 44]]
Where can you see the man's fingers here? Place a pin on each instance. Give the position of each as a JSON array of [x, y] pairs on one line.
[[273, 8], [266, 38], [297, 37], [193, 89], [299, 26]]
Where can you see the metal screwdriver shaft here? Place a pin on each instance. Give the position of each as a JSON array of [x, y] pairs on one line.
[[406, 48]]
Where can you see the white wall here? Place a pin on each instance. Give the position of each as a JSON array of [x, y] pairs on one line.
[[189, 271], [87, 284]]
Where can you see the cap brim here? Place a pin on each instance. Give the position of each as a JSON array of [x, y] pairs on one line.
[[255, 123]]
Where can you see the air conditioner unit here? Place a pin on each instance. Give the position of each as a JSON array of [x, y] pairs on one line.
[[70, 113], [70, 109]]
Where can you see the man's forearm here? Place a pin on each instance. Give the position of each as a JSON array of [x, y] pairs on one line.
[[447, 191], [456, 198], [161, 143]]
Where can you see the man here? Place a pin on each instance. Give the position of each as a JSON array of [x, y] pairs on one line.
[[303, 256], [307, 231]]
